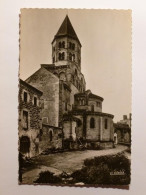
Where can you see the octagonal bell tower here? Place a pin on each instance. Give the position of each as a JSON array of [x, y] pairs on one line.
[[66, 47]]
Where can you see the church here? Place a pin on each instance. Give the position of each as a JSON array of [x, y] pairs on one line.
[[66, 104]]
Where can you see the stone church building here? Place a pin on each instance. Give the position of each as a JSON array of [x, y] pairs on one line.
[[66, 102]]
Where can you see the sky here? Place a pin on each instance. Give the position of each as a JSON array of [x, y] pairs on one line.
[[106, 59]]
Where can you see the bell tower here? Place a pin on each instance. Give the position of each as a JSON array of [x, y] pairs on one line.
[[66, 47]]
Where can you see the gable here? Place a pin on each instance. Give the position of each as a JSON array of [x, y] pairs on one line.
[[42, 75]]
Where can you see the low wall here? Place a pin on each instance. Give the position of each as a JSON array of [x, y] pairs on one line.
[[106, 145], [50, 138]]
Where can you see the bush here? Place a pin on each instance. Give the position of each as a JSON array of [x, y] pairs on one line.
[[48, 177], [100, 170]]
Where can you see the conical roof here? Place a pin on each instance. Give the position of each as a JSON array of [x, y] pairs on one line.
[[66, 29]]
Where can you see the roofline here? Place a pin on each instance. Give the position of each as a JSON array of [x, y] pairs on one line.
[[30, 86], [121, 126], [84, 94], [84, 112], [42, 67], [68, 117], [32, 74], [100, 114], [96, 96]]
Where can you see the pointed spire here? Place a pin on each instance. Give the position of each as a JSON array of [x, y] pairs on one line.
[[66, 29]]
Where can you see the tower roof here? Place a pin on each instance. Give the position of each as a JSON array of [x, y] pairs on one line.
[[66, 29]]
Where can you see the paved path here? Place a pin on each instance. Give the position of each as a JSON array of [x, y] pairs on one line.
[[67, 161]]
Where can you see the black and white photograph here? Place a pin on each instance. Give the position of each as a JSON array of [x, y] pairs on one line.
[[74, 112]]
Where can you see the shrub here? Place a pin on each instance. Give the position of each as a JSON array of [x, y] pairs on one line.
[[99, 169], [48, 177]]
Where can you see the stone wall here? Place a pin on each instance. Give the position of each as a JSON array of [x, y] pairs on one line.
[[74, 130], [74, 90], [106, 145], [48, 83], [123, 136], [56, 50], [93, 133], [50, 138], [67, 51], [107, 133], [29, 129], [67, 129], [94, 102], [79, 128]]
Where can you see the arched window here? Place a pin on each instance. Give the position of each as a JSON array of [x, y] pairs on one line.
[[83, 102], [61, 56], [92, 108], [98, 104], [79, 123], [63, 44], [25, 96], [105, 123], [70, 56], [35, 101], [59, 44], [92, 123], [73, 46], [50, 135]]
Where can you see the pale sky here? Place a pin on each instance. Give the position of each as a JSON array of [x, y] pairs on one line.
[[106, 61]]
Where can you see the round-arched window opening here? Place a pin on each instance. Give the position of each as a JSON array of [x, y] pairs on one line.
[[63, 44], [79, 123], [106, 123], [92, 123], [60, 45], [92, 108], [70, 56], [50, 135], [61, 56]]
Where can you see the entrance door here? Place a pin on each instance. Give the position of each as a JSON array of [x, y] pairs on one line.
[[24, 144]]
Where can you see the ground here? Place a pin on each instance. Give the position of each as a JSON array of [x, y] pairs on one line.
[[65, 162]]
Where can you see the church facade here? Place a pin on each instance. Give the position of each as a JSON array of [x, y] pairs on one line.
[[66, 102]]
